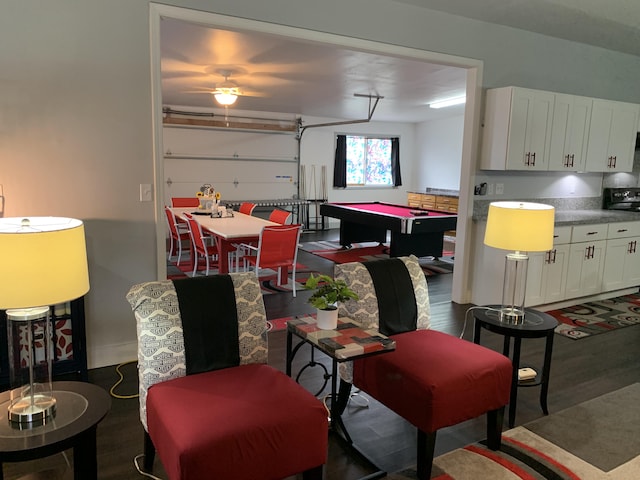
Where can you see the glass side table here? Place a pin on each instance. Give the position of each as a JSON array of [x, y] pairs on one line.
[[80, 406], [536, 325]]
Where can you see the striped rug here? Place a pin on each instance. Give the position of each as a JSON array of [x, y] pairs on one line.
[[597, 439]]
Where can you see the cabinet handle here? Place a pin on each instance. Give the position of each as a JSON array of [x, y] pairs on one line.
[[615, 160], [590, 252], [609, 159], [621, 230], [527, 158], [566, 160], [592, 233], [533, 162], [572, 158], [632, 247]]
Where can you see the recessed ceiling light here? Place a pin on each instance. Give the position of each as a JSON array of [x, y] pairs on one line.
[[449, 102]]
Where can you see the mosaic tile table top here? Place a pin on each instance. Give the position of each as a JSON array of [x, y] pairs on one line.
[[347, 342]]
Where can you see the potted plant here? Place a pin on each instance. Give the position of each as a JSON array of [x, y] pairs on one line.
[[328, 292]]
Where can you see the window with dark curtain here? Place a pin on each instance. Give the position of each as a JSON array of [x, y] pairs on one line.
[[340, 165]]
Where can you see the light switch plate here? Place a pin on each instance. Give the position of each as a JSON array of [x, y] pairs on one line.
[[146, 194]]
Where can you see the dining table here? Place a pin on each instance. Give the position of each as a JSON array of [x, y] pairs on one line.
[[228, 231]]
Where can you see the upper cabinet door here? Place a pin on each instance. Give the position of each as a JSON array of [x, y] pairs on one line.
[[612, 135], [570, 132], [517, 129]]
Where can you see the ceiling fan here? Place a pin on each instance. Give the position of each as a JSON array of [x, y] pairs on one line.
[[227, 92]]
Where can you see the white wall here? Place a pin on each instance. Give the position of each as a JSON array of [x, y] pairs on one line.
[[75, 113], [439, 153]]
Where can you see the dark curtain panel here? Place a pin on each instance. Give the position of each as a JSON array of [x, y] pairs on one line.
[[395, 162], [340, 165]]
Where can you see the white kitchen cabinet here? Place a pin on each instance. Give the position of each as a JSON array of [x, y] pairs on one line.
[[612, 136], [586, 260], [547, 271], [622, 260], [517, 129], [569, 132]]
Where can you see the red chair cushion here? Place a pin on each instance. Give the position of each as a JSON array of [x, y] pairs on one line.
[[434, 380], [237, 423]]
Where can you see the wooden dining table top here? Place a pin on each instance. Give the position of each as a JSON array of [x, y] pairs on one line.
[[228, 228]]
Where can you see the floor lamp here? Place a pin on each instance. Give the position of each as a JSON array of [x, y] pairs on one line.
[[522, 227], [43, 263]]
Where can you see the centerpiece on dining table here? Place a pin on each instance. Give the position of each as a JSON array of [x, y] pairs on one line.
[[210, 201], [328, 292]]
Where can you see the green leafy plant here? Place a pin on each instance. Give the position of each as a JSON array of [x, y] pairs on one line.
[[328, 291]]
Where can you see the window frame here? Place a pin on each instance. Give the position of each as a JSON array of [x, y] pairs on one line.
[[368, 137]]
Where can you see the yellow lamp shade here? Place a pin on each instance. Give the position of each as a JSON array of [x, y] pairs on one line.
[[43, 261], [520, 226]]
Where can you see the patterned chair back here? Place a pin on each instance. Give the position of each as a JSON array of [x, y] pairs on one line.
[[160, 332], [393, 297]]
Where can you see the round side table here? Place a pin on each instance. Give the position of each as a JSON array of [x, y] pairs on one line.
[[536, 325], [80, 406]]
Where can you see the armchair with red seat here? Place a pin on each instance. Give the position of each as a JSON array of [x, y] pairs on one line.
[[209, 403], [432, 379]]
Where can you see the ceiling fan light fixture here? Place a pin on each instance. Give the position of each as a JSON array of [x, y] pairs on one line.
[[449, 102], [225, 98]]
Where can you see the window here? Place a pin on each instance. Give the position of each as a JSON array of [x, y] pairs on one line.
[[363, 161], [368, 161]]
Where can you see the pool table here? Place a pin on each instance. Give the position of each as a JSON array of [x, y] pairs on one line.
[[413, 230]]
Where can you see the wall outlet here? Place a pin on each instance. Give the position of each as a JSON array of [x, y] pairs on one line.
[[499, 188], [146, 194], [490, 189]]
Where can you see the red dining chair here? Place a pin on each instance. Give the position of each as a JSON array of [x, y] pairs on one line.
[[177, 233], [247, 208], [280, 216], [234, 256], [200, 245], [182, 202], [277, 249]]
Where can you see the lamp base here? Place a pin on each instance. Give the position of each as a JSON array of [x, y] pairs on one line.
[[511, 315], [32, 410]]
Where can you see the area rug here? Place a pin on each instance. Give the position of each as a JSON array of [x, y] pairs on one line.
[[324, 245], [595, 440], [363, 254], [593, 318], [268, 278]]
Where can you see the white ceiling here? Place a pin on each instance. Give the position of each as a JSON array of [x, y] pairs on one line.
[[303, 78]]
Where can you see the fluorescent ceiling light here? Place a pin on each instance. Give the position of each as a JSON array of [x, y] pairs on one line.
[[449, 102]]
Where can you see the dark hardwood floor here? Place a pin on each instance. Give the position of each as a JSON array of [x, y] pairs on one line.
[[581, 370]]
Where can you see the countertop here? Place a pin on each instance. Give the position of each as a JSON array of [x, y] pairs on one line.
[[584, 217]]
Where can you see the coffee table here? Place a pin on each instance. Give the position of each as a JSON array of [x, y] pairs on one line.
[[536, 325], [349, 341], [80, 406]]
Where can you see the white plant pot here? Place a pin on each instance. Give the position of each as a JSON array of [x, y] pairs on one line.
[[327, 319]]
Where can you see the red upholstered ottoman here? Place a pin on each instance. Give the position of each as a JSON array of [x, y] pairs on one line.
[[436, 373], [198, 439]]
